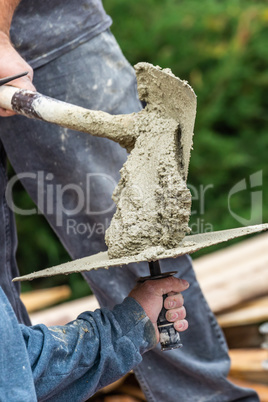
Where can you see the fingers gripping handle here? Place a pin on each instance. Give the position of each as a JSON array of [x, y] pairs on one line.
[[169, 337]]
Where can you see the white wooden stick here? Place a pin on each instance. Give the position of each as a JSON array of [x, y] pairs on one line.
[[37, 106]]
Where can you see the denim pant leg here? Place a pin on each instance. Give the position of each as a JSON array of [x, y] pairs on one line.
[[96, 75], [8, 244]]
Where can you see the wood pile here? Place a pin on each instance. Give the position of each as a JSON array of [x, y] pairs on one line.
[[41, 298], [235, 283], [234, 275], [126, 389]]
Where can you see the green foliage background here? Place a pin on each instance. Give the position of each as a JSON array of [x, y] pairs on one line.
[[221, 49]]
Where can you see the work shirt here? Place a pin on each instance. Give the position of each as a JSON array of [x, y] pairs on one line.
[[71, 362], [44, 30]]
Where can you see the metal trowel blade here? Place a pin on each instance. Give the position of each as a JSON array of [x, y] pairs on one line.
[[188, 245]]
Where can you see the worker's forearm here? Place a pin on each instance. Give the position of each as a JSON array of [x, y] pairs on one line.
[[85, 355], [7, 8]]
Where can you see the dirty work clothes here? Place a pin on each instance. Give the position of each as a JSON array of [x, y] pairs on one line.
[[80, 357], [102, 79], [44, 30]]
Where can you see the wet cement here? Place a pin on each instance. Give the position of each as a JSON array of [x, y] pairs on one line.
[[152, 199]]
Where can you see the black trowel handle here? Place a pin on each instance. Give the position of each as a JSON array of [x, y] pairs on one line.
[[169, 337]]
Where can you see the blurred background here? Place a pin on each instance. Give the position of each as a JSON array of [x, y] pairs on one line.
[[220, 48]]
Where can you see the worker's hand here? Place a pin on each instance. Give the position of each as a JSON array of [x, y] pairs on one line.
[[12, 63], [149, 295]]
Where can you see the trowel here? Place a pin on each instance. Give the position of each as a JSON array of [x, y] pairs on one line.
[[152, 198]]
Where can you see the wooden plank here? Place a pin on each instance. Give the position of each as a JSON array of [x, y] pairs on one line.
[[38, 299], [66, 312], [127, 386], [120, 398], [231, 255], [133, 391], [252, 312], [234, 275], [238, 286], [238, 271], [243, 336], [246, 364], [114, 386]]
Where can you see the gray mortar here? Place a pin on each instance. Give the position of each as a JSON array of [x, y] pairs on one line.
[[153, 202], [152, 199]]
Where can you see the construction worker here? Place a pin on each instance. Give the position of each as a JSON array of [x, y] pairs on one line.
[[75, 58]]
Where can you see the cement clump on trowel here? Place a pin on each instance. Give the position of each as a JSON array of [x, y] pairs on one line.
[[153, 202], [152, 198]]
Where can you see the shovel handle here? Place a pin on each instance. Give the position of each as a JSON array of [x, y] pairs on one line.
[[95, 122]]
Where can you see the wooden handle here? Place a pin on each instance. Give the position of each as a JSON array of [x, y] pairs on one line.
[[37, 106]]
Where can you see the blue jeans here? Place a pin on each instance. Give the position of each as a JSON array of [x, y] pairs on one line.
[[97, 76]]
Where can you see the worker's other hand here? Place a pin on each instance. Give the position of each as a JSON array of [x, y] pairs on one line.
[[12, 63], [149, 295]]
